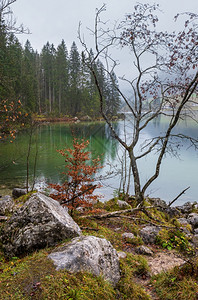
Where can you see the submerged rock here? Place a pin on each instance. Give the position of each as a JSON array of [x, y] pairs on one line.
[[40, 222], [90, 254]]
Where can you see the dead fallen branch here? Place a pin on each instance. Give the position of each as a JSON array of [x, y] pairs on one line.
[[88, 228], [117, 213]]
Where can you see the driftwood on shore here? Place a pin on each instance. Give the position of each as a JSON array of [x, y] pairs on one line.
[[117, 213]]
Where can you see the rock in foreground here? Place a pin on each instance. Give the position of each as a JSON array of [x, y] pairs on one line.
[[91, 254], [40, 222]]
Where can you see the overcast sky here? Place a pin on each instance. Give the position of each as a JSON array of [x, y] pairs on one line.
[[54, 20]]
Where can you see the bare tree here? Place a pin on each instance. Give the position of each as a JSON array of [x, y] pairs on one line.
[[7, 19], [165, 79]]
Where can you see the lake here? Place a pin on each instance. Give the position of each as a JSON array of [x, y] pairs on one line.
[[177, 173]]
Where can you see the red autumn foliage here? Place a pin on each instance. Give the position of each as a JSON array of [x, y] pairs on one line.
[[11, 116], [77, 190]]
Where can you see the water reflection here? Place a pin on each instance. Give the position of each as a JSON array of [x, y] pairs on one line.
[[176, 174], [51, 137]]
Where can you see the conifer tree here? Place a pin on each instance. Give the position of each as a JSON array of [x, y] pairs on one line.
[[29, 78], [74, 79], [62, 77], [47, 65]]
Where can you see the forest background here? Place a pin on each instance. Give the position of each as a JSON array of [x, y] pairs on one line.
[[55, 82]]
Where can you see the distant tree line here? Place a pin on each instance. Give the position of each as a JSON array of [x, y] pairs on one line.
[[54, 82]]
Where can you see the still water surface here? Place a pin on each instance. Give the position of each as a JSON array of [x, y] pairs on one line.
[[176, 173]]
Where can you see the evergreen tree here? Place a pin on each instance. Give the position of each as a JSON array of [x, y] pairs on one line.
[[53, 81], [4, 61], [29, 78], [74, 79], [14, 52], [62, 77], [112, 98], [48, 65]]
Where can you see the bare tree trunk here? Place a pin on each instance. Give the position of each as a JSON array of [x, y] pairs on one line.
[[129, 180], [136, 178]]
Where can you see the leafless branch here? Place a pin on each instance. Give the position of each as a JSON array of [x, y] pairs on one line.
[[183, 192]]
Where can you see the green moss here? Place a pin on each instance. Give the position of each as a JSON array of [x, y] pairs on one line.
[[174, 239], [85, 222], [111, 205], [138, 264], [132, 265], [134, 241], [110, 235], [179, 283], [130, 226], [85, 286], [22, 199], [35, 277]]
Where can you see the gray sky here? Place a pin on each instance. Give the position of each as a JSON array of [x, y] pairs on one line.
[[54, 20]]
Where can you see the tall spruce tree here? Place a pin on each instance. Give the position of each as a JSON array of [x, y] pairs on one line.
[[47, 65], [74, 79], [29, 79], [14, 52], [62, 77], [112, 97], [4, 60]]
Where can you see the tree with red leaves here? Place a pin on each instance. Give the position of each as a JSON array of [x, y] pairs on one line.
[[77, 190]]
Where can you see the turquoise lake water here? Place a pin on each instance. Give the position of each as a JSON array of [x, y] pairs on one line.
[[177, 172]]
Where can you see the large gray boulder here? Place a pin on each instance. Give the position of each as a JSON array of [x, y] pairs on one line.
[[90, 254], [40, 222], [6, 205]]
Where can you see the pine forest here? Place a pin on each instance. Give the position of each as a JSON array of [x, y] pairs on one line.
[[55, 82]]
